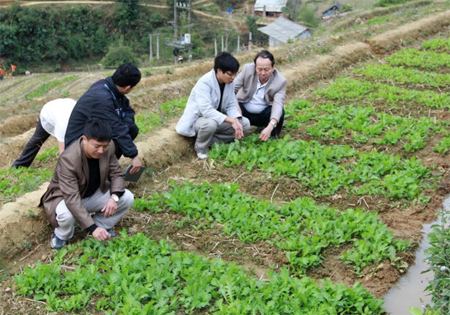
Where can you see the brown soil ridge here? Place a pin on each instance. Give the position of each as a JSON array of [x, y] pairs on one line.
[[22, 222], [325, 66], [394, 39]]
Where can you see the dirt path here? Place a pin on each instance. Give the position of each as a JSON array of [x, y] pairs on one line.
[[27, 4]]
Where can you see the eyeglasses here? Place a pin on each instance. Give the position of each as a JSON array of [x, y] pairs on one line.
[[233, 75]]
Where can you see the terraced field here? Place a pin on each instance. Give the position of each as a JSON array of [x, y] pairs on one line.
[[322, 221]]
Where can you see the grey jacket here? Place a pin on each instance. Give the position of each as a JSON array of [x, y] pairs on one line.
[[245, 87], [204, 102], [71, 178]]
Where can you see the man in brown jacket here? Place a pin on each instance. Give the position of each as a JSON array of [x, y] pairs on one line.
[[260, 90], [87, 187]]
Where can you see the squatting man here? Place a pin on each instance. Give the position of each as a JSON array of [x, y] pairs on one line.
[[212, 112], [88, 180], [260, 90]]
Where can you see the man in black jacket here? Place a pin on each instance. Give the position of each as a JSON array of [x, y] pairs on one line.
[[106, 100]]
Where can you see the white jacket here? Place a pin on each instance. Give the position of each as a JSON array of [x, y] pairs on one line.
[[204, 102]]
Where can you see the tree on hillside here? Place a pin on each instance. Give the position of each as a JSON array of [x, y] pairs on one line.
[[292, 9], [118, 54], [308, 17], [127, 13], [258, 37]]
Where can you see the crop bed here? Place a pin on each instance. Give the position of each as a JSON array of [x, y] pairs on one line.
[[327, 210]]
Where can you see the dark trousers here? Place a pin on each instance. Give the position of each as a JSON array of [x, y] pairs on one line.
[[133, 131], [262, 119], [32, 147]]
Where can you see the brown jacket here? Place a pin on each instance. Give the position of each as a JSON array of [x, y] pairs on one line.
[[245, 87], [70, 182]]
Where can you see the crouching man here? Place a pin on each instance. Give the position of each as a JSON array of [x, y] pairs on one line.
[[212, 112], [87, 187], [260, 90]]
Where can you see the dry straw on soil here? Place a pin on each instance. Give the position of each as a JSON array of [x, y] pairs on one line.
[[394, 39]]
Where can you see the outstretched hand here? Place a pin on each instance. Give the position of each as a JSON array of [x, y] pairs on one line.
[[265, 133]]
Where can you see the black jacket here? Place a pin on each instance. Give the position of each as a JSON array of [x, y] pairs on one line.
[[105, 102]]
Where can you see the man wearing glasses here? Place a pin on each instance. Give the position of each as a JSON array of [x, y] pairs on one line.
[[212, 112], [260, 90]]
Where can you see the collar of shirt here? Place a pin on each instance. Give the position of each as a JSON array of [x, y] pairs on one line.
[[259, 85]]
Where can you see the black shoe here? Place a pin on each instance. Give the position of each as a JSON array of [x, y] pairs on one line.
[[57, 243]]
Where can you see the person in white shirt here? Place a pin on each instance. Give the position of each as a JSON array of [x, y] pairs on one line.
[[260, 90], [53, 121]]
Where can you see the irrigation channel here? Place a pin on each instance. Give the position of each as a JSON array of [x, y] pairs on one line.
[[410, 289]]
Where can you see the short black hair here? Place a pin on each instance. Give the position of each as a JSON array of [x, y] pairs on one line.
[[97, 129], [265, 55], [127, 74], [226, 62]]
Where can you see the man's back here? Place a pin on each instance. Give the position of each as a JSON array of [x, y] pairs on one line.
[[55, 116], [85, 108], [104, 101]]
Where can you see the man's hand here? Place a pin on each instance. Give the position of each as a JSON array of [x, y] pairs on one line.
[[238, 130], [136, 163], [110, 208], [101, 234], [266, 132]]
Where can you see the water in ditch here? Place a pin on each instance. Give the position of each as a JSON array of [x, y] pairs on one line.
[[410, 289]]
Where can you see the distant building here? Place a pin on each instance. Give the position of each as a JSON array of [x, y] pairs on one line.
[[332, 10], [269, 8], [283, 30]]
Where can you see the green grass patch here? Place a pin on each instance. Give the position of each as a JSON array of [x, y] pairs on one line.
[[327, 169], [388, 3], [439, 257], [443, 146], [173, 107], [347, 89], [379, 20], [18, 181], [301, 229], [405, 76], [48, 155], [428, 60], [136, 276], [150, 121], [44, 88], [437, 44], [362, 124]]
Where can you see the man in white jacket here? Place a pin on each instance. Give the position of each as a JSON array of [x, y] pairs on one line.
[[212, 112]]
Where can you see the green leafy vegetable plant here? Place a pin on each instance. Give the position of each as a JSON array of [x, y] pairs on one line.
[[302, 229], [323, 169], [135, 275]]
